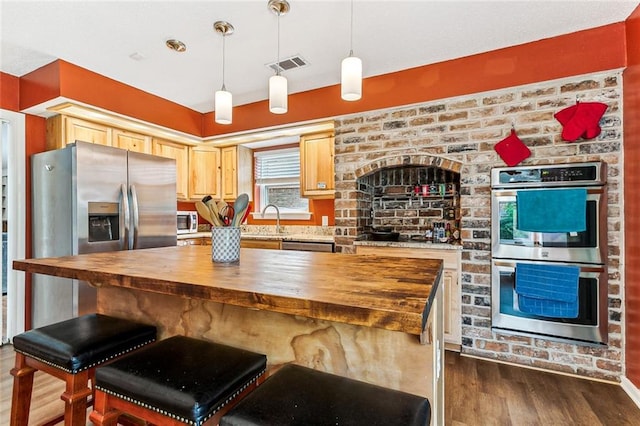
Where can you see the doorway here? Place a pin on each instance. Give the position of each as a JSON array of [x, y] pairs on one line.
[[13, 217]]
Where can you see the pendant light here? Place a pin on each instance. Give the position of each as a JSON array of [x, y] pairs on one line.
[[278, 83], [351, 75], [223, 103]]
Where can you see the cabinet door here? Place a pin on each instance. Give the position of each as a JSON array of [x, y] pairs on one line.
[[204, 172], [317, 178], [452, 314], [80, 130], [132, 141], [229, 177], [263, 244], [180, 153]]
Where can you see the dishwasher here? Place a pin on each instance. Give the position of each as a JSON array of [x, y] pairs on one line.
[[308, 246]]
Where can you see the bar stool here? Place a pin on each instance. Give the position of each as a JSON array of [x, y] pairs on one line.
[[70, 350], [177, 381], [299, 396]]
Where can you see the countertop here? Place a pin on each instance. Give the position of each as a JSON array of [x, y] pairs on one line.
[[268, 236], [409, 244], [375, 291]]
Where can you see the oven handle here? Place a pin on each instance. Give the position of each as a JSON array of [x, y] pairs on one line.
[[583, 268], [513, 193]]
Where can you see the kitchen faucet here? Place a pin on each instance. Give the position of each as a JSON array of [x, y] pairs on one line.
[[277, 215]]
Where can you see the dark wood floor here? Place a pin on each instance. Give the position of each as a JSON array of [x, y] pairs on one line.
[[477, 393], [487, 393]]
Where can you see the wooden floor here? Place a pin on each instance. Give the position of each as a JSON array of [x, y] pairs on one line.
[[477, 393]]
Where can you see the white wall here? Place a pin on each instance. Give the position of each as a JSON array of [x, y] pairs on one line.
[[13, 139]]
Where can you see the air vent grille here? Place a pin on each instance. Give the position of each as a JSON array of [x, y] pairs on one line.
[[286, 64]]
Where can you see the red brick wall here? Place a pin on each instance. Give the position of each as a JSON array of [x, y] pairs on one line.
[[463, 130]]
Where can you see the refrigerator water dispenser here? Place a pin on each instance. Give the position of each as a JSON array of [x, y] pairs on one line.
[[104, 220]]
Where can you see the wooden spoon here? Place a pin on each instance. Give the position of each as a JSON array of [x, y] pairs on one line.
[[215, 214], [203, 210]]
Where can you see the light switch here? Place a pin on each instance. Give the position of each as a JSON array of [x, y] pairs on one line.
[[325, 220]]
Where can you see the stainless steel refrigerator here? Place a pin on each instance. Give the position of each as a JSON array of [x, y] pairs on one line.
[[90, 198]]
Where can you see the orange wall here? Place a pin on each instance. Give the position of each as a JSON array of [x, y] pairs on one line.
[[9, 92], [61, 78], [631, 96]]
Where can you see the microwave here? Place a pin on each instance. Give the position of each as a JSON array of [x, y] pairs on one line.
[[187, 222]]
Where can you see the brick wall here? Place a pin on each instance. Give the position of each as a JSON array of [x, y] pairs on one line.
[[459, 134]]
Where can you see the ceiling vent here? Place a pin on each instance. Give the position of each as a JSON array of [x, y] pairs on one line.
[[290, 63]]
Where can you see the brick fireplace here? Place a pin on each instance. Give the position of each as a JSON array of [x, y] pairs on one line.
[[410, 198], [457, 135]]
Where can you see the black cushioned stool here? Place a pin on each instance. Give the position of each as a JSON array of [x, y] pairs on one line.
[[70, 350], [176, 381], [300, 396]]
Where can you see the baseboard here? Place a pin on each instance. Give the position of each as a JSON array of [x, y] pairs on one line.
[[631, 390]]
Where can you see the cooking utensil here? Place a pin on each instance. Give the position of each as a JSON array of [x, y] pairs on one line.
[[203, 210], [210, 203], [240, 206], [384, 233], [227, 214]]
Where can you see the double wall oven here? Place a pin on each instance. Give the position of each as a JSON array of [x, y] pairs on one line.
[[562, 234]]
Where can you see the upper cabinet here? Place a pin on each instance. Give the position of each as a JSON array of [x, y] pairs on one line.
[[204, 172], [236, 172], [180, 153], [62, 130], [131, 141], [317, 178]]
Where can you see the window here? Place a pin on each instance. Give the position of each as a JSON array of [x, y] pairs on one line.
[[277, 177]]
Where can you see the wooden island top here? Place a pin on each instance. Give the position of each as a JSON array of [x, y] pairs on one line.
[[373, 291]]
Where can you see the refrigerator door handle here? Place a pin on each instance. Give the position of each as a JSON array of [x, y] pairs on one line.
[[125, 211], [136, 217]]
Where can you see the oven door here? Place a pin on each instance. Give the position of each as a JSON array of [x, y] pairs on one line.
[[590, 325], [509, 242]]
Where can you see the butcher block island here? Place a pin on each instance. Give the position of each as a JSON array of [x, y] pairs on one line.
[[372, 318]]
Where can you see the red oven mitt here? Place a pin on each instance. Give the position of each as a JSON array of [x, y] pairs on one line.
[[512, 150], [581, 119]]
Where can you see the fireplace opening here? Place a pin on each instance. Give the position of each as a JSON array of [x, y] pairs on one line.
[[418, 203]]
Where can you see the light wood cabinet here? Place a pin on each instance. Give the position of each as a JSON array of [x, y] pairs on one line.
[[236, 164], [131, 141], [451, 281], [317, 177], [263, 244], [204, 172], [62, 130], [180, 153]]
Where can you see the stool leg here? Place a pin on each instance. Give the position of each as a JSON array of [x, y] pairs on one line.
[[101, 414], [22, 386], [75, 398]]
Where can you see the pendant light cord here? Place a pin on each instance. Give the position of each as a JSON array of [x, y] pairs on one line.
[[278, 58], [351, 40], [224, 36]]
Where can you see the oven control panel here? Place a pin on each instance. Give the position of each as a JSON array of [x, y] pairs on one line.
[[576, 174]]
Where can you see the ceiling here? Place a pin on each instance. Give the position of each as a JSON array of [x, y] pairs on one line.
[[125, 40]]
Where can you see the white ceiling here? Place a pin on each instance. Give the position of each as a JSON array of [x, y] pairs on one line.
[[388, 36]]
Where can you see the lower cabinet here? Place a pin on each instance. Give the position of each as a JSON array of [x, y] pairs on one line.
[[263, 244], [451, 281]]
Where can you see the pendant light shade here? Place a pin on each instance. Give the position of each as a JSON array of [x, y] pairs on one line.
[[351, 73], [278, 94], [351, 80], [223, 107], [223, 101]]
